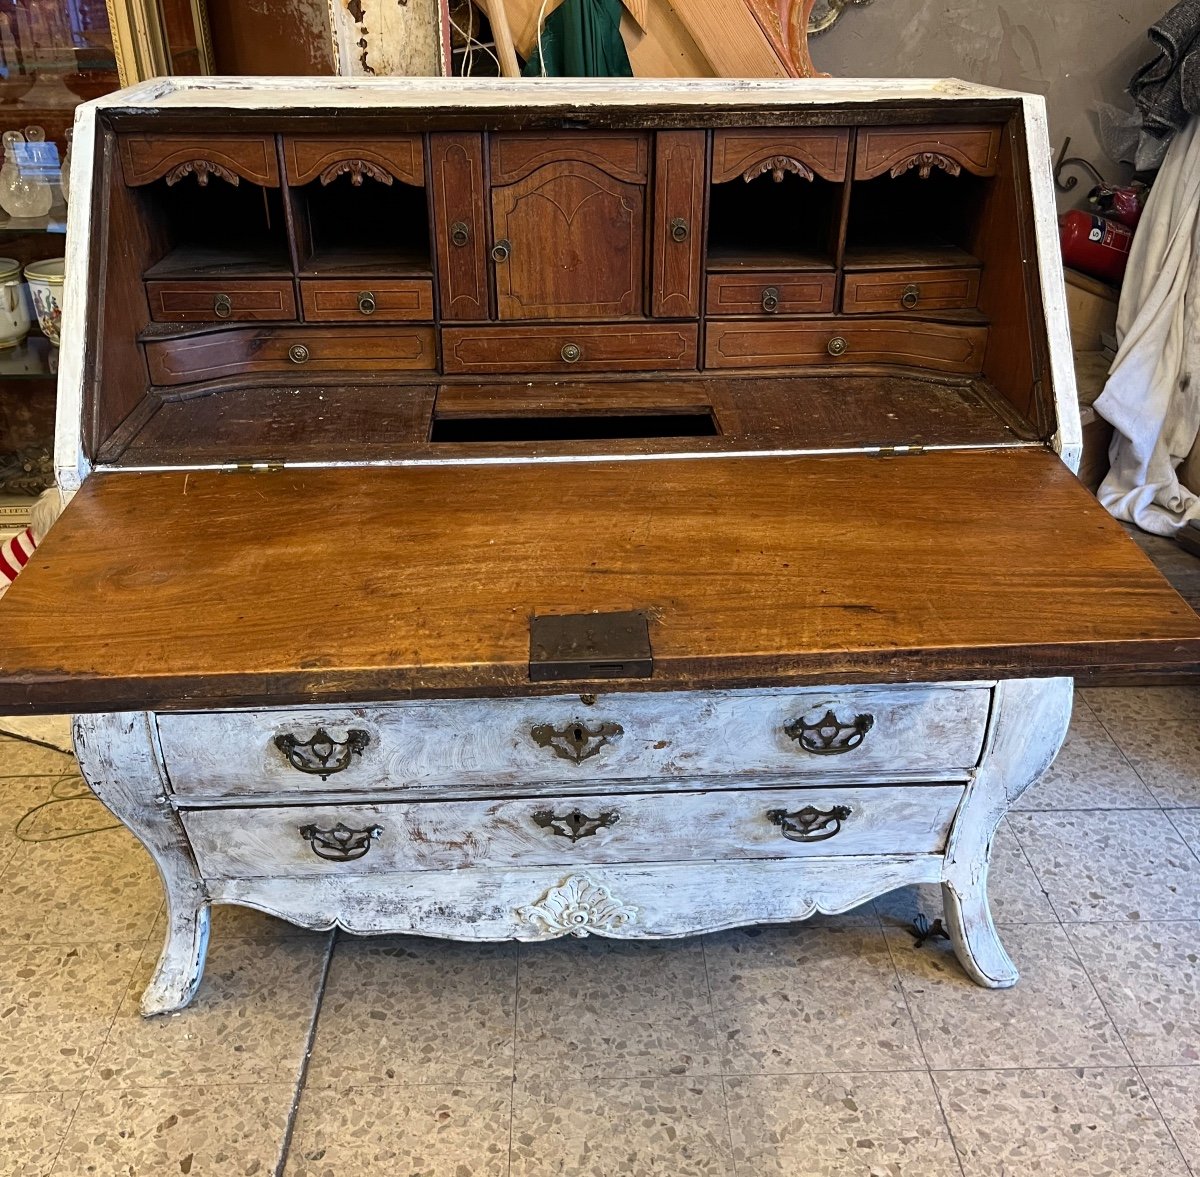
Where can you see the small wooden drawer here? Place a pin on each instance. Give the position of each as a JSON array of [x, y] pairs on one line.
[[785, 293], [325, 157], [913, 343], [897, 150], [289, 351], [312, 841], [594, 348], [881, 291], [358, 301], [220, 302], [748, 154], [227, 158], [454, 745]]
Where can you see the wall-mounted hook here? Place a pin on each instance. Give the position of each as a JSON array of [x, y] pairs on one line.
[[1074, 161]]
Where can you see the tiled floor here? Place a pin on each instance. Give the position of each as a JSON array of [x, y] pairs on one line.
[[836, 1047]]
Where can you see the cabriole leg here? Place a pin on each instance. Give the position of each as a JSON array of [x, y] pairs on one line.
[[117, 756], [973, 934]]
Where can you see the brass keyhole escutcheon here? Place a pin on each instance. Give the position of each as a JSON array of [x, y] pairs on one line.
[[679, 229], [222, 306], [910, 297], [460, 234], [366, 302], [501, 250], [570, 352], [770, 299], [836, 346], [298, 353]]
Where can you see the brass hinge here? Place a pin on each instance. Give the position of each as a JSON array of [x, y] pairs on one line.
[[260, 467], [893, 451]]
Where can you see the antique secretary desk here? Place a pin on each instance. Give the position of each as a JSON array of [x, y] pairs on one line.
[[512, 510]]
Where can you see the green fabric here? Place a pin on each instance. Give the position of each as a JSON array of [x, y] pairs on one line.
[[582, 39]]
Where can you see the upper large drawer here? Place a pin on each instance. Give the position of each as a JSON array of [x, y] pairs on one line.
[[586, 348], [145, 158], [882, 732]]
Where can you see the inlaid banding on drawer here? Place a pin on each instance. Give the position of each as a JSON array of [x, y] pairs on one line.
[[303, 841], [782, 293], [881, 291], [366, 300], [590, 348], [510, 743], [216, 302]]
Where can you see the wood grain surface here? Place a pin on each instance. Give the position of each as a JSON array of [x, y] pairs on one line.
[[198, 589]]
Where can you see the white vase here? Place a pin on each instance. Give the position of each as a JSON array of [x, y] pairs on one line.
[[14, 304], [46, 288]]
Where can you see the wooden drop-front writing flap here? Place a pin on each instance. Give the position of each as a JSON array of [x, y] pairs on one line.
[[201, 589]]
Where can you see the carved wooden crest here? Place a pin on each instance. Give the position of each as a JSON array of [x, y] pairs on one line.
[[777, 165], [356, 169], [579, 907], [202, 169], [927, 161]]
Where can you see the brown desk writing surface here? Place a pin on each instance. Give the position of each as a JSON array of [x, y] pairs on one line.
[[198, 589]]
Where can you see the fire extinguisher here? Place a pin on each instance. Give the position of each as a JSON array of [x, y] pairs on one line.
[[1095, 245]]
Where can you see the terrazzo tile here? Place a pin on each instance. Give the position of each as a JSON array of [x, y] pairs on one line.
[[1187, 823], [882, 1123], [32, 1126], [90, 889], [1056, 1123], [427, 1131], [412, 1010], [1176, 1091], [248, 1022], [1158, 729], [22, 758], [1102, 866], [603, 1007], [1148, 976], [1090, 772], [201, 1131], [1051, 1018], [795, 999], [56, 1006], [232, 921], [18, 796], [1014, 891], [632, 1127]]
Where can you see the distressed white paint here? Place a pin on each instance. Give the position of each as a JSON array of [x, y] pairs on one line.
[[447, 745]]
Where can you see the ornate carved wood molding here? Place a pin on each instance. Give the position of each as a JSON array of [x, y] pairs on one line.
[[202, 169], [578, 907], [356, 169], [927, 161], [777, 165]]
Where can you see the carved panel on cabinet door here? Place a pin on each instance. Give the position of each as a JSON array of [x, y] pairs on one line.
[[625, 157], [678, 224], [574, 238], [146, 158], [308, 157], [747, 154], [456, 165]]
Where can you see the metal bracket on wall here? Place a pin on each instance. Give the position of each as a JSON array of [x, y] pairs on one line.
[[1073, 161]]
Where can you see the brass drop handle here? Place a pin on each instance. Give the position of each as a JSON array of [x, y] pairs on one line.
[[222, 306], [837, 346], [829, 736], [321, 755], [340, 844], [679, 229], [809, 824], [910, 297], [770, 299], [366, 302], [570, 352], [501, 250], [460, 233], [298, 353]]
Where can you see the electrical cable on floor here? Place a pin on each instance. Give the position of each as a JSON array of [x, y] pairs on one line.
[[57, 797]]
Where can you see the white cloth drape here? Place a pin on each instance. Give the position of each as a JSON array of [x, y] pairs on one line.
[[1152, 396]]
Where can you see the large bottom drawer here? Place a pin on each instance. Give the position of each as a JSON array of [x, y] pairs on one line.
[[549, 831]]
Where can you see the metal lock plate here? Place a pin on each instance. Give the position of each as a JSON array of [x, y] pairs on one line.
[[589, 646]]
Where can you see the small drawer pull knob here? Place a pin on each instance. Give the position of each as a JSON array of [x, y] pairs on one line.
[[576, 824], [298, 353], [809, 824], [679, 229], [501, 250], [829, 736], [770, 299], [570, 352], [222, 306], [576, 741], [836, 346], [910, 297], [322, 755], [340, 844], [460, 234], [366, 302]]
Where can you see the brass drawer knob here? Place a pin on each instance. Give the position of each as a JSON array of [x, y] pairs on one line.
[[222, 306], [910, 297], [679, 229], [837, 346], [570, 352], [366, 302], [501, 250], [770, 299], [298, 353], [460, 234]]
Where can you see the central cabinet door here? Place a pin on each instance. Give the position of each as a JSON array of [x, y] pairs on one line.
[[569, 225]]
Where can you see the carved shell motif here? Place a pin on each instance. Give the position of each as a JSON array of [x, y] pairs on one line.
[[201, 169], [578, 907], [357, 169], [777, 165], [927, 161]]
